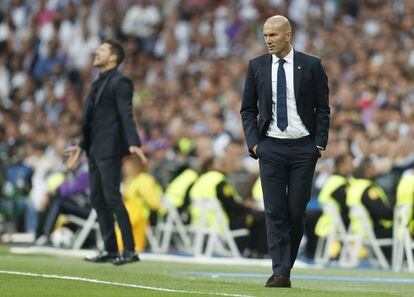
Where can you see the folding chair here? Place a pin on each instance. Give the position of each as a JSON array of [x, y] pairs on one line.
[[215, 233], [88, 225], [335, 231], [361, 233], [160, 236], [403, 214], [153, 239], [403, 243]]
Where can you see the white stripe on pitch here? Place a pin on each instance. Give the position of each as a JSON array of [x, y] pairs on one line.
[[90, 280]]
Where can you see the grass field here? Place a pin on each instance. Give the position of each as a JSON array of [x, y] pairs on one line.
[[182, 279]]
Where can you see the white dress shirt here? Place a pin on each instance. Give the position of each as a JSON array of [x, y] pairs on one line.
[[295, 128]]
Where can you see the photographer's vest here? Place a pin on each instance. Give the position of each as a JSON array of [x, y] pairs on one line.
[[325, 223], [354, 195], [405, 196], [177, 189], [257, 193], [205, 187]]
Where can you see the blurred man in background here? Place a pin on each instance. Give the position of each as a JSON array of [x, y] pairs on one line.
[[365, 191], [109, 133]]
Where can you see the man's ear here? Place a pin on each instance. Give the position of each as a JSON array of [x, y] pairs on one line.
[[288, 35], [113, 58]]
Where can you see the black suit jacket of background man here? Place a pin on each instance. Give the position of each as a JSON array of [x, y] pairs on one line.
[[108, 132], [107, 124], [311, 93]]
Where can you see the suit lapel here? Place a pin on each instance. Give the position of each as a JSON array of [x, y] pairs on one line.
[[87, 109], [102, 88], [297, 72], [268, 78]]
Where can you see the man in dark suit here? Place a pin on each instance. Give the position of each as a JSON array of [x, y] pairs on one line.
[[285, 114], [109, 133]]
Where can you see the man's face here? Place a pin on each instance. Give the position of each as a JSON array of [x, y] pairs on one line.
[[103, 56], [276, 39], [347, 166]]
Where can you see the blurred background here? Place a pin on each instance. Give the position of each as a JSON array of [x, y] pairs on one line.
[[188, 60]]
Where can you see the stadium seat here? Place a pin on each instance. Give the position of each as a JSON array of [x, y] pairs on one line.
[[403, 213], [403, 243], [87, 226], [215, 235], [163, 233], [330, 229], [362, 236]]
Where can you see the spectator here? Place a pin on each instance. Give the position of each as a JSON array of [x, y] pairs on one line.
[[68, 196], [142, 197]]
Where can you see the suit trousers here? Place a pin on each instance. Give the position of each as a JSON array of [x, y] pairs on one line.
[[65, 205], [286, 171], [105, 179]]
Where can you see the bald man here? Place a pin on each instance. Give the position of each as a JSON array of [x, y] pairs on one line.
[[285, 113]]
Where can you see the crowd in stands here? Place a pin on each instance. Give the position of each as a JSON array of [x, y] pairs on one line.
[[188, 59]]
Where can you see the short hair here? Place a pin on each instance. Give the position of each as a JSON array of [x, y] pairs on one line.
[[363, 166], [117, 49], [341, 160]]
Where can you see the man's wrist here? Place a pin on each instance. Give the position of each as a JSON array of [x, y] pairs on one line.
[[254, 148]]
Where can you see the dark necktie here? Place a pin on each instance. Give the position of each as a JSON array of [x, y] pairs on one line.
[[281, 112]]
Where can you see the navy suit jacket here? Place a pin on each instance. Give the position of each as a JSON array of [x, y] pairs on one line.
[[107, 124], [311, 93]]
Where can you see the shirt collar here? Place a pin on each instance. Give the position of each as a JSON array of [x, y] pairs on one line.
[[288, 58], [106, 73]]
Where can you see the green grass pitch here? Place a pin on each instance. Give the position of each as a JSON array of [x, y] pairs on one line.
[[159, 276]]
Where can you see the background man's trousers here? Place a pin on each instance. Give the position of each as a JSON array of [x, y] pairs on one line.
[[286, 170], [105, 179]]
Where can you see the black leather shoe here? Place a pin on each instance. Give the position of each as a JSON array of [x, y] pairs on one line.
[[278, 281], [101, 257], [125, 258]]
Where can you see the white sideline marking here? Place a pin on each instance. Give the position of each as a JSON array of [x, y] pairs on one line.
[[96, 281]]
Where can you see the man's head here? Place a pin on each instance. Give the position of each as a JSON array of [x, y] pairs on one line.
[[132, 166], [366, 169], [344, 165], [108, 55], [277, 33]]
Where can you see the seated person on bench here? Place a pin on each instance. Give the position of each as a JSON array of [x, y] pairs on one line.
[[70, 197]]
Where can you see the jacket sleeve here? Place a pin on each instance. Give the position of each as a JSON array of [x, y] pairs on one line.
[[81, 143], [228, 201], [322, 110], [340, 196], [249, 111], [124, 92], [376, 207], [73, 187]]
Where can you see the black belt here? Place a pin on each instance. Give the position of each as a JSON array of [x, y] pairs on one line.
[[305, 139]]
